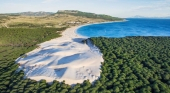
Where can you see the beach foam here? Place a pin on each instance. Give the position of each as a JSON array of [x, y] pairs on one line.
[[64, 58]]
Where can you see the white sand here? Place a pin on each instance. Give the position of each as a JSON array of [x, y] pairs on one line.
[[64, 58]]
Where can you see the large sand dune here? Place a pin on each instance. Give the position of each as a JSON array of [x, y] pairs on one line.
[[65, 58]]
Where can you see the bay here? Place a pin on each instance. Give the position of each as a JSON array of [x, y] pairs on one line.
[[131, 27]]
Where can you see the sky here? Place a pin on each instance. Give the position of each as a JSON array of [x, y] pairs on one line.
[[117, 8]]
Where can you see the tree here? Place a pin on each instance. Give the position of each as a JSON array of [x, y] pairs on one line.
[[116, 89]]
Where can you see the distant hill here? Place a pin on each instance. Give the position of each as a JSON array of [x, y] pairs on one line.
[[138, 16], [40, 13], [89, 15], [68, 12], [62, 18], [168, 17]]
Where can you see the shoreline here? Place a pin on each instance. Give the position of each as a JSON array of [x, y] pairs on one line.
[[63, 58], [96, 24]]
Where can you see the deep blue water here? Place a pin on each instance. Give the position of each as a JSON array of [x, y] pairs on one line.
[[132, 27]]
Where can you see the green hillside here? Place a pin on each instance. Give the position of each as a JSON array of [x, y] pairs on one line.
[[65, 18], [89, 15]]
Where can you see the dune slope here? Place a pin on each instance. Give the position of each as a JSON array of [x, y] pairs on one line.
[[65, 58]]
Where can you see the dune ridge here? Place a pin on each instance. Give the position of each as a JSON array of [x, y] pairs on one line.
[[64, 58]]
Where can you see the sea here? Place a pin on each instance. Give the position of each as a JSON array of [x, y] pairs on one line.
[[131, 27]]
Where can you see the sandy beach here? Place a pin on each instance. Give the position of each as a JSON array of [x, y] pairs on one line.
[[64, 58]]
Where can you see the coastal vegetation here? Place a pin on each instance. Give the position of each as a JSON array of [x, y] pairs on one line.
[[3, 18], [135, 64], [15, 42], [132, 64], [27, 37]]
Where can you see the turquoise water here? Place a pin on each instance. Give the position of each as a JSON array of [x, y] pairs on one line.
[[132, 27]]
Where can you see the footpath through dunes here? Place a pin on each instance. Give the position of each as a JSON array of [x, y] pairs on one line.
[[64, 58]]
